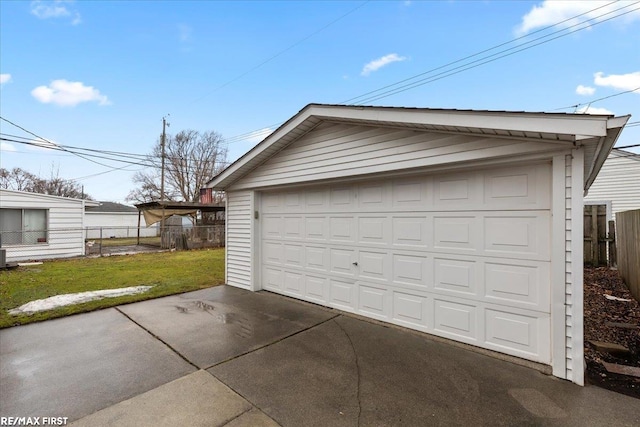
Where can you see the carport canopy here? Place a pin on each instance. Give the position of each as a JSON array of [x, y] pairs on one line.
[[157, 211]]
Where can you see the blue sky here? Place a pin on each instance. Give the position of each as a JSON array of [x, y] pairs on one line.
[[102, 74]]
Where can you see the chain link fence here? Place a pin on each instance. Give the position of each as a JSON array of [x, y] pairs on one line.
[[101, 241]]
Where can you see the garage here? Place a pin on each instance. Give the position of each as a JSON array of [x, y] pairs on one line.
[[462, 224]]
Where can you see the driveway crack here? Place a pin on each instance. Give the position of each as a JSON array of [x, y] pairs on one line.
[[157, 337], [355, 355]]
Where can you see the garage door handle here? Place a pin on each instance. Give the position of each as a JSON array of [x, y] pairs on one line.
[[355, 263]]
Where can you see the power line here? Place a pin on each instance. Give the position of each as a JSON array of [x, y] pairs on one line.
[[363, 98], [477, 54], [271, 58], [495, 57], [600, 99]]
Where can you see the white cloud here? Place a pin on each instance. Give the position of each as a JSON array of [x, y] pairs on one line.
[[5, 146], [594, 110], [41, 145], [68, 94], [376, 64], [259, 135], [5, 78], [55, 9], [618, 81], [184, 32], [551, 12], [585, 90]]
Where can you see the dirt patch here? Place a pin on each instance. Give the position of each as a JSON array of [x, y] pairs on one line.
[[610, 318]]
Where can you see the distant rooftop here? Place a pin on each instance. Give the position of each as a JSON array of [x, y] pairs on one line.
[[111, 207]]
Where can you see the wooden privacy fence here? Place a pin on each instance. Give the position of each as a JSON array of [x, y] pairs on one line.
[[599, 237], [628, 228]]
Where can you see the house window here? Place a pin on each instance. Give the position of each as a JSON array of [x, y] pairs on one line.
[[23, 226]]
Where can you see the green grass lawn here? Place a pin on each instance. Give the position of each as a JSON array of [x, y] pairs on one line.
[[168, 272], [127, 241]]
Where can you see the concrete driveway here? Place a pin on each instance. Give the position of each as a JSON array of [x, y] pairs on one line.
[[227, 357]]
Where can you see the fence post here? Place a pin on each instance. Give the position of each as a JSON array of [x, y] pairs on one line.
[[613, 255], [594, 236], [100, 241]]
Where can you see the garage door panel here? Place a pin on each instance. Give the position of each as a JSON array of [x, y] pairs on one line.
[[374, 197], [342, 229], [272, 253], [374, 301], [374, 230], [518, 235], [294, 201], [315, 228], [518, 285], [272, 279], [272, 227], [456, 232], [342, 295], [410, 194], [293, 255], [458, 191], [316, 201], [411, 271], [411, 310], [317, 258], [455, 319], [316, 289], [518, 334], [293, 283], [341, 261], [271, 202], [410, 231], [342, 198], [374, 265], [293, 227], [456, 276], [525, 187]]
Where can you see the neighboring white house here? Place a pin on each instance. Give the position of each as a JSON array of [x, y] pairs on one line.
[[35, 226], [115, 220], [618, 183], [462, 224]]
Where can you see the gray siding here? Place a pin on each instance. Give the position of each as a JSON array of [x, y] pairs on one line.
[[332, 149], [239, 238], [618, 182]]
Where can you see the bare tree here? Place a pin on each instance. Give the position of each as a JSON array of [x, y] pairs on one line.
[[21, 180], [191, 159]]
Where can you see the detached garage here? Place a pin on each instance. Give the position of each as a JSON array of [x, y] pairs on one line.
[[462, 224]]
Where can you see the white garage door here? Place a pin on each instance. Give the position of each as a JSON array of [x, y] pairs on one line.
[[464, 255]]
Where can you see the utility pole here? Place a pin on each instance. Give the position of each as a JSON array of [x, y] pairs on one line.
[[162, 143]]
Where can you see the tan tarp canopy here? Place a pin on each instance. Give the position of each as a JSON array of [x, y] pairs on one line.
[[155, 212], [153, 216]]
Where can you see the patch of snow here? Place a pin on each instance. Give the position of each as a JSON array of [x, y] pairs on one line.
[[77, 298], [612, 298]]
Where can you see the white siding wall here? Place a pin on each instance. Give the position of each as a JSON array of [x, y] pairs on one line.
[[239, 238], [118, 224], [332, 149], [568, 269], [618, 182], [65, 220]]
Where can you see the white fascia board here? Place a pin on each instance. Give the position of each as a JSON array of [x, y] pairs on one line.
[[605, 145], [567, 124]]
